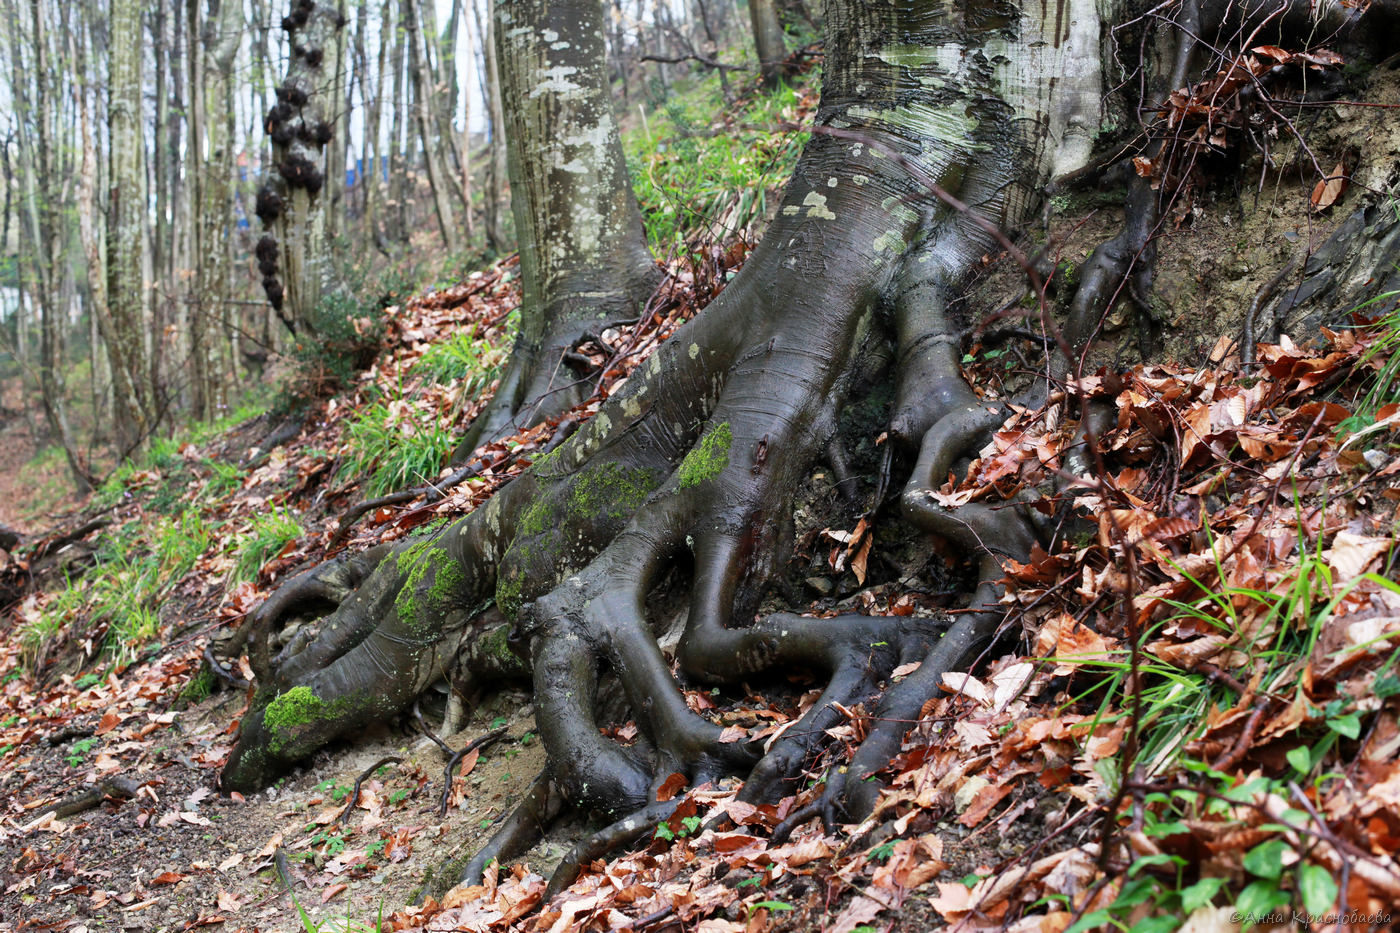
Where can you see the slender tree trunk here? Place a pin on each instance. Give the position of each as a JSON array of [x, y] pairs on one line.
[[496, 171], [399, 161], [339, 117], [43, 182], [126, 228], [464, 146], [293, 255], [90, 234], [438, 181], [373, 148], [768, 40]]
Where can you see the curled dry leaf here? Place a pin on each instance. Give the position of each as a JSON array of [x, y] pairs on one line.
[[1326, 192]]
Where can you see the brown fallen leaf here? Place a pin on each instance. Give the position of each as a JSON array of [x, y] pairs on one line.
[[227, 901], [167, 877], [1326, 192], [332, 891]]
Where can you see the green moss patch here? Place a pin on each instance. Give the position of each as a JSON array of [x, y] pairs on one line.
[[707, 458], [297, 707]]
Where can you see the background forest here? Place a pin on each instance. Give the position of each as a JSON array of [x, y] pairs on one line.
[[134, 144]]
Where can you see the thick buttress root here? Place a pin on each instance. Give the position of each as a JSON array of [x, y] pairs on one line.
[[693, 464]]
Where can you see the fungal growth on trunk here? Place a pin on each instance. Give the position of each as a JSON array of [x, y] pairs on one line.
[[939, 126], [289, 254]]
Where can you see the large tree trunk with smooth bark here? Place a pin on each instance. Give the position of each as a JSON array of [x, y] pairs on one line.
[[937, 128], [583, 257]]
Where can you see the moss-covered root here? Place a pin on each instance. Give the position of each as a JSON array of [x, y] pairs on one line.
[[318, 590], [412, 612]]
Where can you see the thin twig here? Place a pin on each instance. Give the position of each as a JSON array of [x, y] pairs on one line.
[[481, 742], [364, 776]]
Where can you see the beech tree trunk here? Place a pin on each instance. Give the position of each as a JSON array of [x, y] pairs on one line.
[[424, 107], [496, 172], [126, 230], [768, 40], [583, 254]]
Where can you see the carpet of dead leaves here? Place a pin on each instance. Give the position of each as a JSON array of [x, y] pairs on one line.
[[1214, 491]]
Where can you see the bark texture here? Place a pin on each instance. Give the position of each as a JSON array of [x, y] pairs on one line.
[[291, 255], [126, 230], [583, 257], [767, 40], [700, 454]]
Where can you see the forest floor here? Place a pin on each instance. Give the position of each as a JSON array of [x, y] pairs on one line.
[[1195, 711]]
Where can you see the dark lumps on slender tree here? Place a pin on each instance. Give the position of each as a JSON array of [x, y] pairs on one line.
[[693, 465], [299, 126]]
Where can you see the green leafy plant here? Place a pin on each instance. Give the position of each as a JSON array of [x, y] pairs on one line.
[[1384, 382], [337, 792], [224, 478], [396, 446], [689, 176], [466, 357], [77, 752]]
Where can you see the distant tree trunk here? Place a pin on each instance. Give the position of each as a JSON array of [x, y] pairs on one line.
[[89, 233], [339, 118], [161, 154], [214, 38], [583, 254], [372, 150], [496, 171], [41, 226], [464, 144], [126, 229], [292, 255], [399, 162], [768, 40], [427, 127], [203, 234]]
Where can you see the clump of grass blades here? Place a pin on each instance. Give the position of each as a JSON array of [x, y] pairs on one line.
[[466, 357], [269, 535], [1384, 387], [397, 446], [133, 569], [688, 177]]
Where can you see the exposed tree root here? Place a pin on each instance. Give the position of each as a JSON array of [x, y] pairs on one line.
[[692, 466], [623, 832], [524, 826]]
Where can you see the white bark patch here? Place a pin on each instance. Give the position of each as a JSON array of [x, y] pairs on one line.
[[816, 206], [1072, 56], [555, 81]]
